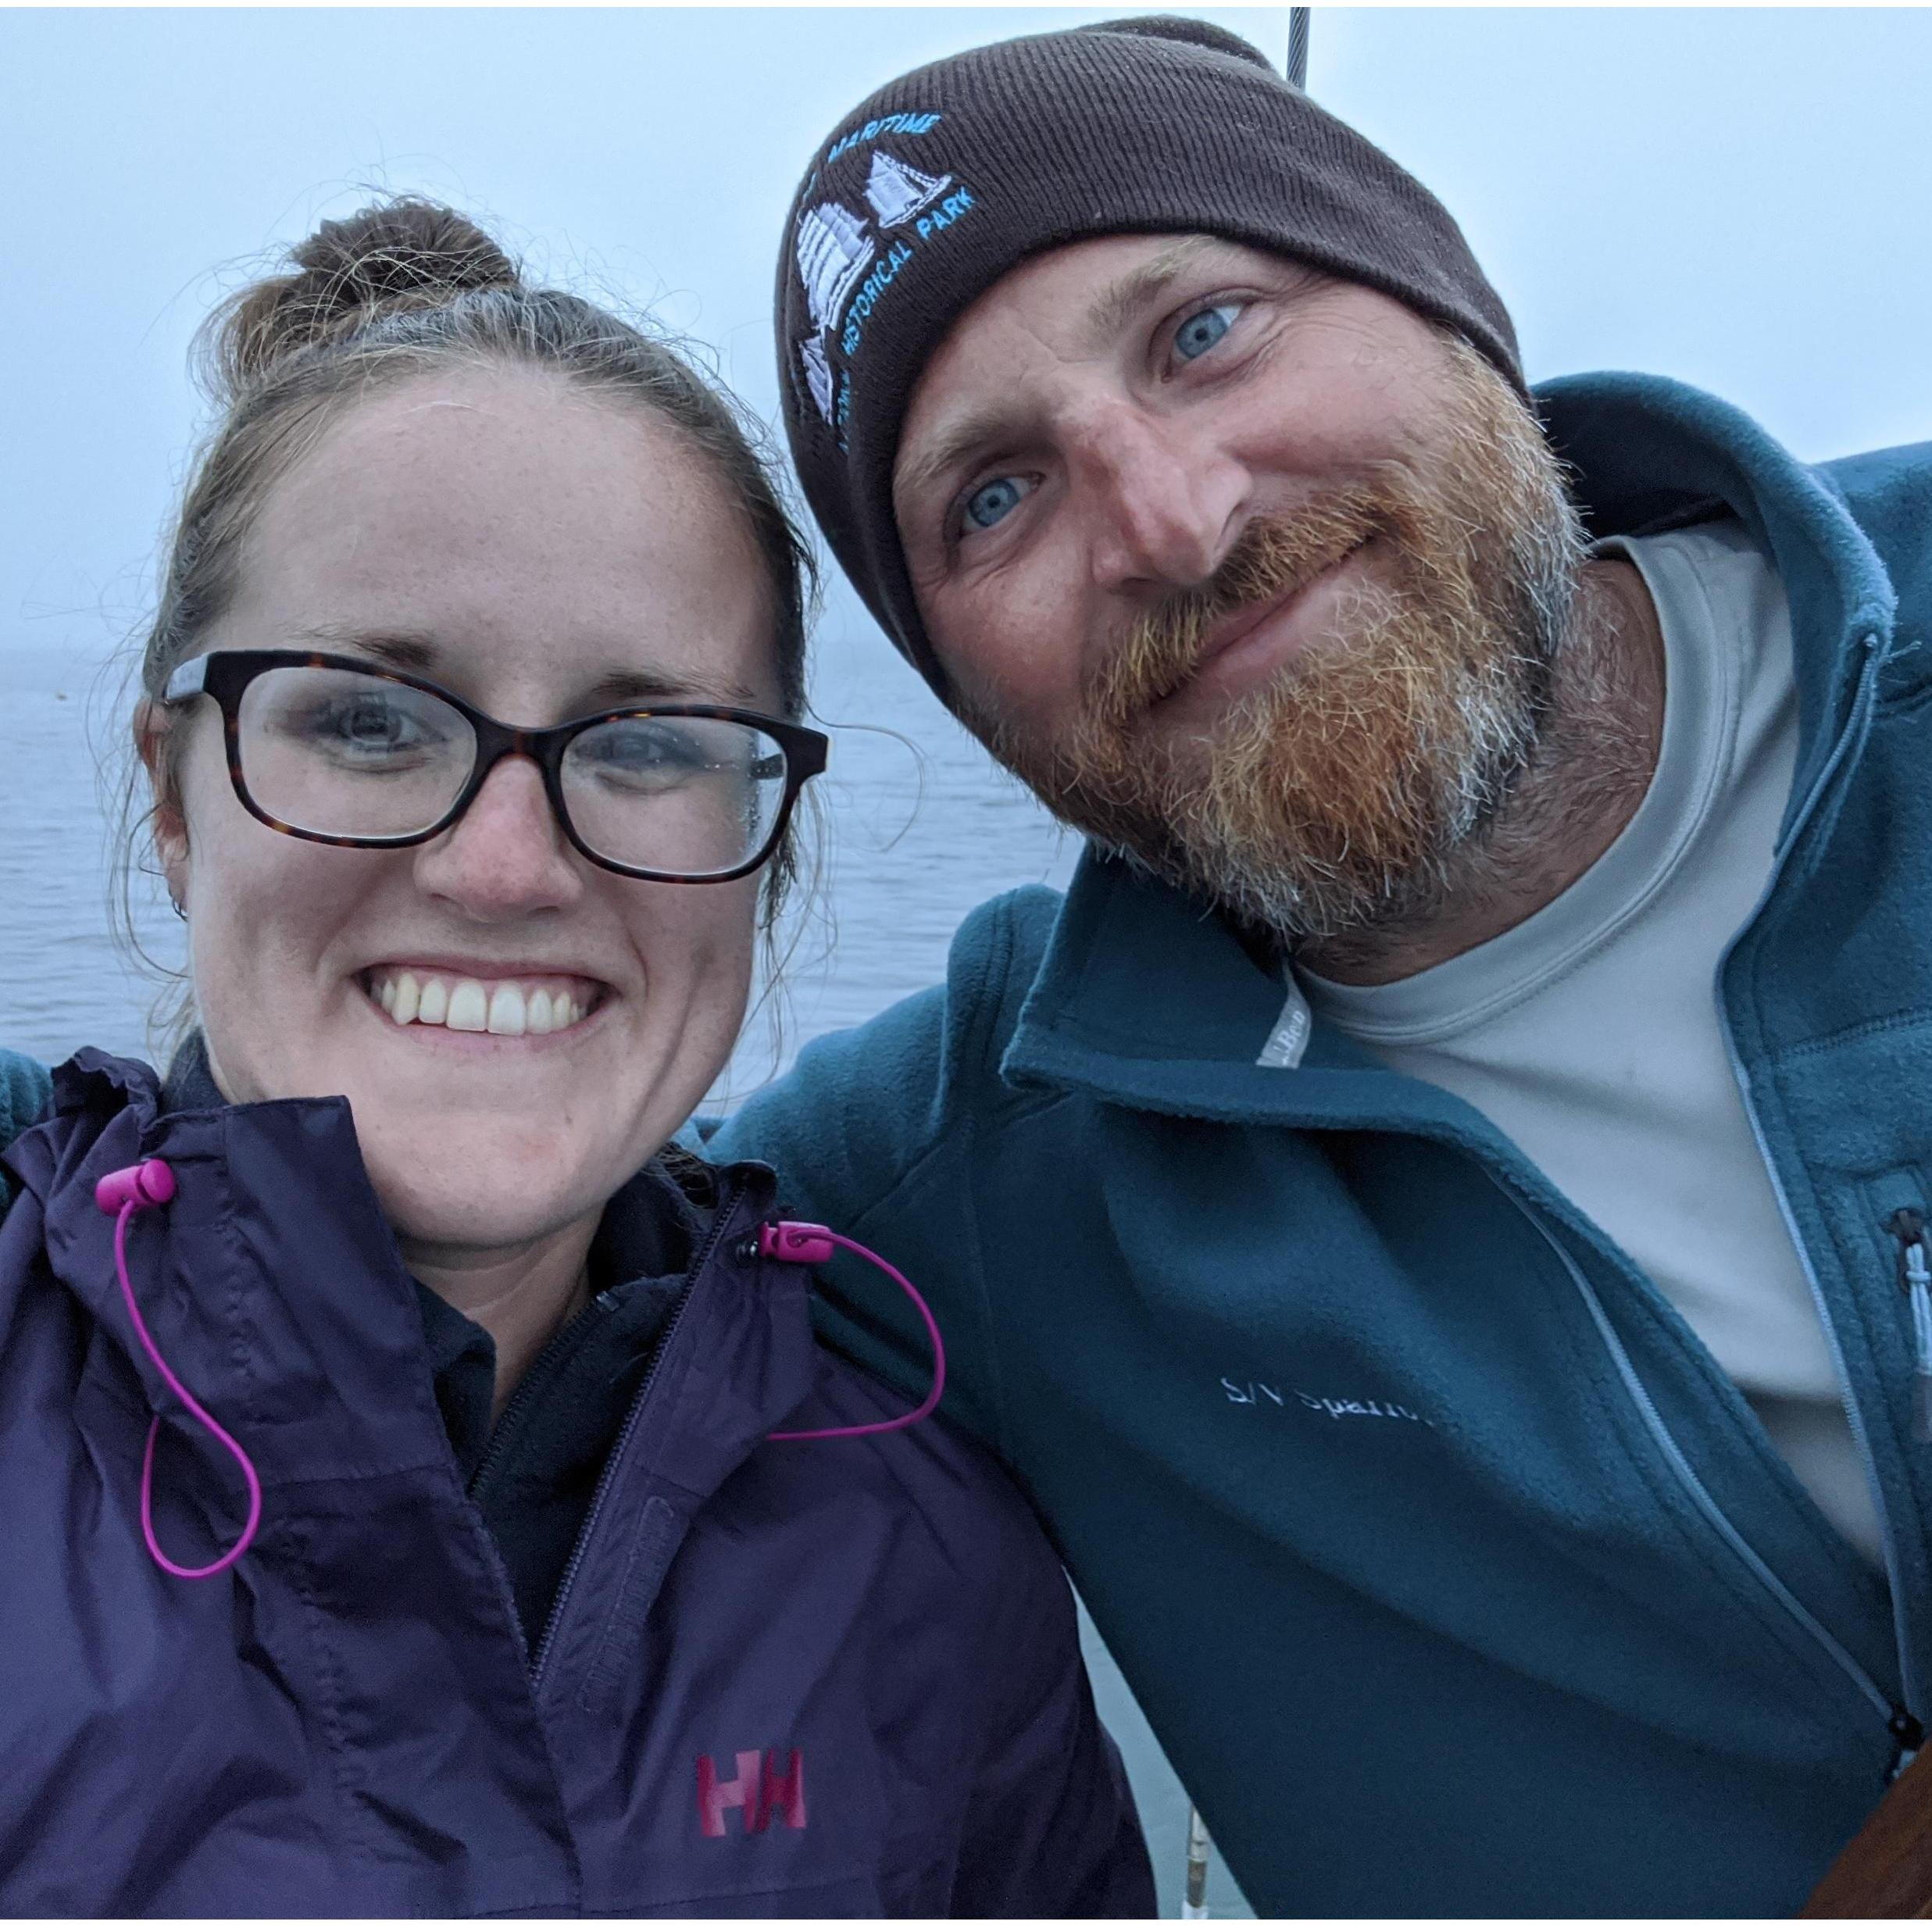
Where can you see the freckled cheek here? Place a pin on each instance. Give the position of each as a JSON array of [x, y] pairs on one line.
[[265, 911]]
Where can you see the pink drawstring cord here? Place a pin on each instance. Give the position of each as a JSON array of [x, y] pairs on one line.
[[122, 1194], [125, 1192], [810, 1245]]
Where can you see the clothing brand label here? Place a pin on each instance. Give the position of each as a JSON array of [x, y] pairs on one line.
[[1287, 1040], [1252, 1395], [766, 1786]]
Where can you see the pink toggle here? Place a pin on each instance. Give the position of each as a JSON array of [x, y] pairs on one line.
[[149, 1185], [803, 1241], [122, 1194], [809, 1245]]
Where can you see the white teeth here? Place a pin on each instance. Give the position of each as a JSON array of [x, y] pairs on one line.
[[469, 1007], [503, 1006]]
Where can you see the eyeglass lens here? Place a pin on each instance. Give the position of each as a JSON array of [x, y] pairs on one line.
[[353, 755]]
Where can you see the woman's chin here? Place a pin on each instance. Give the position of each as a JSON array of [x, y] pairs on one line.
[[465, 1189]]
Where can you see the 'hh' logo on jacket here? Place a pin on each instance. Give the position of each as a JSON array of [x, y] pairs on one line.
[[760, 1788]]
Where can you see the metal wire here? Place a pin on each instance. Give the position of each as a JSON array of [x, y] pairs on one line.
[[1194, 1903], [1298, 45]]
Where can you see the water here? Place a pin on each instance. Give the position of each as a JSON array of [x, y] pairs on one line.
[[920, 827], [915, 834]]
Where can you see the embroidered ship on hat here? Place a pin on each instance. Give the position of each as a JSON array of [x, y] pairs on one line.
[[818, 372], [833, 250], [898, 192]]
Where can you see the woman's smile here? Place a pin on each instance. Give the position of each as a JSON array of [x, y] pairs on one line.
[[481, 1000]]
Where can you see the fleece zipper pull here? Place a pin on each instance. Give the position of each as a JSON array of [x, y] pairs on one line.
[[1907, 1740], [1915, 1278]]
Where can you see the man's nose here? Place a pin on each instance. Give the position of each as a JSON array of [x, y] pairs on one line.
[[507, 855], [1165, 503]]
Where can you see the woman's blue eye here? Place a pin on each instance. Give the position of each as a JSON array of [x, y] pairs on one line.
[[1200, 333], [991, 501]]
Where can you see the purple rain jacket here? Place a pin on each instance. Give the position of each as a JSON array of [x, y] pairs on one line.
[[805, 1678]]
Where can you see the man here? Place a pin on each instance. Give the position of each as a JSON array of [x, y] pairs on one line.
[[1435, 1216]]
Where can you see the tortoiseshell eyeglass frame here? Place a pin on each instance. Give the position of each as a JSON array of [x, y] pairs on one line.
[[225, 675]]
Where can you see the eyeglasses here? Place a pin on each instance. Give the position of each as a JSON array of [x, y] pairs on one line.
[[330, 749]]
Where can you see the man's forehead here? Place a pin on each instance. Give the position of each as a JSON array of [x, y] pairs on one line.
[[1085, 292], [1090, 287]]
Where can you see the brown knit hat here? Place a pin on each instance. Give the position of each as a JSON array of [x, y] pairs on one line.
[[950, 176]]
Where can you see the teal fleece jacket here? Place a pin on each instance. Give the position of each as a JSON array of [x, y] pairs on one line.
[[1454, 1575]]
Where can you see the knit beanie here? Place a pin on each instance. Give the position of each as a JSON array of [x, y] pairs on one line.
[[950, 176]]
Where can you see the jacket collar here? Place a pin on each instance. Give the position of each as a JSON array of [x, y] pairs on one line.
[[1145, 996], [273, 1284], [1650, 454]]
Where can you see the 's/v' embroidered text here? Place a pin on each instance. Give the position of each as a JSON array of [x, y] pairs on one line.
[[1257, 1394]]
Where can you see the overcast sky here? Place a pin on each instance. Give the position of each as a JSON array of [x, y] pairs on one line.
[[1738, 198]]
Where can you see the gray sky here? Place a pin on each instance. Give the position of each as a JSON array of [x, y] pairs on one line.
[[1738, 198]]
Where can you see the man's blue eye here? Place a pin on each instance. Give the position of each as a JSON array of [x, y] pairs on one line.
[[1200, 333], [991, 501]]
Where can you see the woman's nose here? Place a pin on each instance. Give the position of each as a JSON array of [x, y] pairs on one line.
[[506, 855], [1166, 504]]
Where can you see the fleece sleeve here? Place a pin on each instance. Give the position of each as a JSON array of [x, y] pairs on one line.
[[24, 1087]]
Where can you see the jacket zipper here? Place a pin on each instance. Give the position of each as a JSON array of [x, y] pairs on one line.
[[1906, 1731], [1907, 1226], [1861, 704], [707, 1247], [494, 1450], [1854, 1414]]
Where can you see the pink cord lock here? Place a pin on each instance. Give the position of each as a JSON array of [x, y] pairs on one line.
[[805, 1244], [801, 1241], [150, 1185], [122, 1194]]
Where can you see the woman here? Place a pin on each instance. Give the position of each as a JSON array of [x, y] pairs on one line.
[[423, 1493]]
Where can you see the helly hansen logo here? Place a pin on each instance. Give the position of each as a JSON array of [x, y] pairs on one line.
[[765, 1785]]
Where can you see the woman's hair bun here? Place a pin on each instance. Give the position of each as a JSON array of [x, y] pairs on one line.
[[394, 255]]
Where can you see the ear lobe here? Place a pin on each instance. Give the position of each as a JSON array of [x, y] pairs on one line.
[[166, 822]]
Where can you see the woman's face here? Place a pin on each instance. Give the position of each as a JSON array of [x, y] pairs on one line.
[[545, 554]]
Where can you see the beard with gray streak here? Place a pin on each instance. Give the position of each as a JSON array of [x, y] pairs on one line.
[[1351, 792]]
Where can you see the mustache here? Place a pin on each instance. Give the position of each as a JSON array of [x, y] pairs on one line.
[[1272, 557]]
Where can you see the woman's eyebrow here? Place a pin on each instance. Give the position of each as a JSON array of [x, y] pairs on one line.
[[400, 650], [651, 684], [615, 686]]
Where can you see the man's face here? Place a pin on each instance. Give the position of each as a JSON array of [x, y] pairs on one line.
[[1249, 572]]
